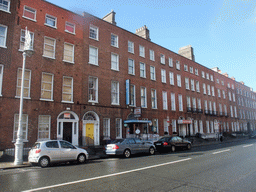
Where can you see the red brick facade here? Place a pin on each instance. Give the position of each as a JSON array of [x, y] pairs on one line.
[[94, 114]]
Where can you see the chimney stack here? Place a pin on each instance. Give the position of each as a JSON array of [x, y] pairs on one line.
[[188, 52], [110, 17], [143, 32]]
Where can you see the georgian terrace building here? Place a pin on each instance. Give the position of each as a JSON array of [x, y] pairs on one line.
[[89, 80]]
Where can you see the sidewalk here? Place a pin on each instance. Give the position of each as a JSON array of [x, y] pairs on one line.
[[7, 162]]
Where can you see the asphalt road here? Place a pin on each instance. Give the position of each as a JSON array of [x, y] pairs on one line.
[[223, 167]]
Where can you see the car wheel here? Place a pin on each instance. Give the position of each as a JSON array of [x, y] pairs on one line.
[[81, 158], [173, 148], [127, 153], [151, 151], [188, 146], [44, 162]]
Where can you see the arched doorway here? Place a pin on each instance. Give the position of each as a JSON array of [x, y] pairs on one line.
[[91, 131], [67, 127]]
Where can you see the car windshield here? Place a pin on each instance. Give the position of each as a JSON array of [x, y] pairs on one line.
[[164, 139], [117, 141], [36, 146]]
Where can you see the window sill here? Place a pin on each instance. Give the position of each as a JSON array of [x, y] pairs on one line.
[[93, 64], [70, 32], [3, 47], [24, 140], [143, 77], [131, 74], [68, 62], [48, 57], [162, 63], [93, 39], [116, 104], [5, 11], [20, 50], [114, 69], [46, 100], [114, 46], [71, 102], [29, 18], [18, 97], [50, 26], [131, 52], [93, 102]]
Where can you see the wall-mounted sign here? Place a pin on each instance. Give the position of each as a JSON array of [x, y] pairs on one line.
[[184, 121], [66, 115], [137, 112], [127, 85]]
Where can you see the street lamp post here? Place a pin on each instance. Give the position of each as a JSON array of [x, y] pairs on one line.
[[19, 141]]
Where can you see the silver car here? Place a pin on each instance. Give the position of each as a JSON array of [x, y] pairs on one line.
[[46, 152], [129, 146]]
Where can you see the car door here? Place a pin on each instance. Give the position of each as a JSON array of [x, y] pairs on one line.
[[52, 150], [67, 151], [139, 147], [179, 142]]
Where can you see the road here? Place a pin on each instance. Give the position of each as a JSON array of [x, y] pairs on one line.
[[223, 167]]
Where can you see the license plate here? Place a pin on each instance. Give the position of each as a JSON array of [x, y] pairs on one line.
[[158, 143]]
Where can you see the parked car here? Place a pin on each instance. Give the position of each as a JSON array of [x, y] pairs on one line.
[[172, 143], [129, 146], [46, 152]]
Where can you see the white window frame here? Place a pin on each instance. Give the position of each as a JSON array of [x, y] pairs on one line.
[[142, 51], [171, 75], [114, 40], [152, 73], [207, 76], [152, 55], [133, 95], [234, 97], [106, 128], [94, 32], [67, 93], [207, 127], [131, 67], [173, 103], [118, 125], [201, 127], [211, 77], [22, 40], [143, 95], [72, 53], [114, 64], [178, 65], [54, 47], [170, 62], [95, 89], [197, 87], [130, 47], [42, 125], [174, 126], [153, 99], [31, 10], [213, 92], [203, 74], [162, 59], [19, 79], [199, 105], [196, 72], [165, 102], [24, 121], [188, 102], [70, 25], [178, 80], [180, 102], [8, 6], [224, 94], [4, 36], [191, 70], [196, 126], [51, 18], [209, 89], [163, 75], [187, 83], [1, 78], [94, 61], [142, 70], [115, 93], [204, 88], [42, 89], [185, 67]]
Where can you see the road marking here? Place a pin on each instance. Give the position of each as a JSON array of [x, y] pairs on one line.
[[221, 151], [104, 176], [248, 145]]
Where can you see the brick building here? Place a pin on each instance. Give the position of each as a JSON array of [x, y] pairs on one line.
[[89, 80]]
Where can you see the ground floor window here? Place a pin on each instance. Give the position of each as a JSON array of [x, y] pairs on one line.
[[24, 126], [118, 128], [44, 125], [106, 128]]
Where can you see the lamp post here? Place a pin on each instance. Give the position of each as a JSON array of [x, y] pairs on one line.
[[19, 141]]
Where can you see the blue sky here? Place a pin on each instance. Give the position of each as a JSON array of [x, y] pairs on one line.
[[222, 32]]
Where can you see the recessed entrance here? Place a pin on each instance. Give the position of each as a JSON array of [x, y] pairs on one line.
[[67, 131]]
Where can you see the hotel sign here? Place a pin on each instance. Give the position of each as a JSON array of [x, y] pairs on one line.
[[184, 121]]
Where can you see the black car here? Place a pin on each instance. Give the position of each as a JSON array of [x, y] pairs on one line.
[[167, 143]]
